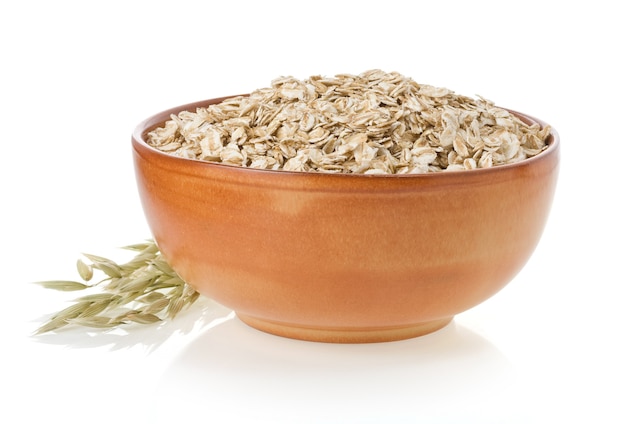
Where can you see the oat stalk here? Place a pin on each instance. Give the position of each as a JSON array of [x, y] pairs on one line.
[[144, 290]]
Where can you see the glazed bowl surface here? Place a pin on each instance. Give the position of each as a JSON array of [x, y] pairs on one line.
[[343, 257]]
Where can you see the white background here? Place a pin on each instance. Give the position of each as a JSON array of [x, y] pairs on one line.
[[76, 77]]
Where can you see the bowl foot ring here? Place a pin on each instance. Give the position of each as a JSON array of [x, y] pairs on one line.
[[345, 335]]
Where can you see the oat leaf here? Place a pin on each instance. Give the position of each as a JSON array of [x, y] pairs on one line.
[[94, 309], [53, 324], [143, 318], [156, 306], [174, 307], [148, 246], [107, 266], [72, 311], [152, 297], [97, 297], [63, 285], [85, 271], [94, 322]]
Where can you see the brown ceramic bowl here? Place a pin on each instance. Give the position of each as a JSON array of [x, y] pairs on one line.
[[343, 258]]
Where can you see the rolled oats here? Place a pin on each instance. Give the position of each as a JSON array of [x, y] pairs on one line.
[[372, 123]]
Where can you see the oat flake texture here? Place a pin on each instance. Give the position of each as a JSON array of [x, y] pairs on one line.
[[372, 123]]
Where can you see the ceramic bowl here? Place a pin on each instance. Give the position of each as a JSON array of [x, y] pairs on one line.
[[343, 258]]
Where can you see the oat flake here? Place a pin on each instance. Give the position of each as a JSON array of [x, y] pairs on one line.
[[372, 123]]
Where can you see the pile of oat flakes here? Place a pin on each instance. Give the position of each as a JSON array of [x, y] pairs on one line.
[[372, 123]]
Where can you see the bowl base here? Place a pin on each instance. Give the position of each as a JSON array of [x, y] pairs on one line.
[[345, 335]]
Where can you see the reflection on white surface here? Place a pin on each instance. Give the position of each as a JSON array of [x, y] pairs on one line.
[[243, 375]]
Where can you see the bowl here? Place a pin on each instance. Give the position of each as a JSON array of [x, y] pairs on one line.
[[343, 258]]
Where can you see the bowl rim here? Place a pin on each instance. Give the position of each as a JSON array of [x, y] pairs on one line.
[[139, 144]]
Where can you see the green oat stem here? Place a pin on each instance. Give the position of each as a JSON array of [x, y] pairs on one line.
[[144, 290]]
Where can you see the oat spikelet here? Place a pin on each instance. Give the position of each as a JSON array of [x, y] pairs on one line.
[[141, 290]]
